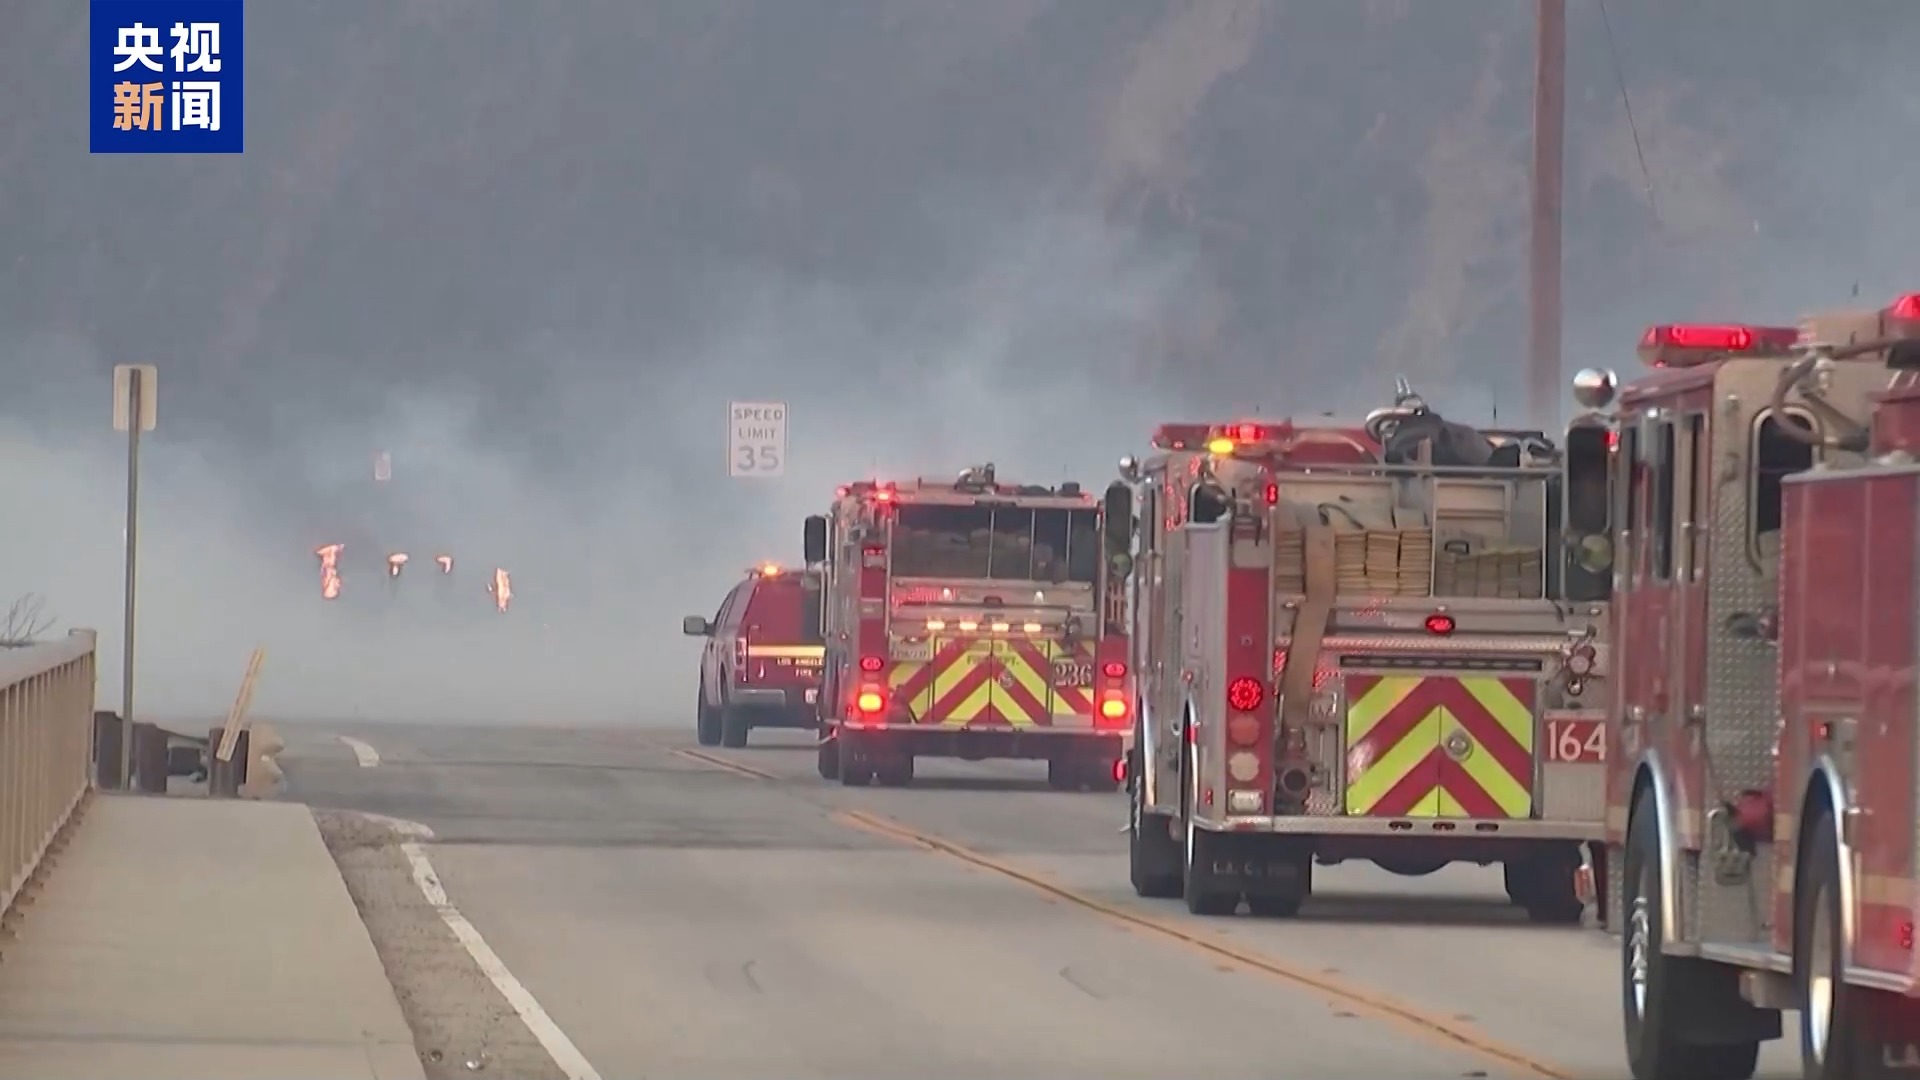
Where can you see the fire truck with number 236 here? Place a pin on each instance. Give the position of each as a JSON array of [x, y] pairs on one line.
[[971, 619], [1764, 785], [1379, 643]]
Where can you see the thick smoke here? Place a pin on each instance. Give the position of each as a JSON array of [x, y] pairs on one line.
[[1015, 357]]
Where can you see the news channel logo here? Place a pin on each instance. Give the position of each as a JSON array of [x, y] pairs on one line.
[[167, 77]]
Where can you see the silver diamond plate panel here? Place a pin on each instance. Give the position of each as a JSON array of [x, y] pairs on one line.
[[1742, 696]]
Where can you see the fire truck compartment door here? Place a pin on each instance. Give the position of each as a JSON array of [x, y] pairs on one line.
[[961, 687], [1439, 746]]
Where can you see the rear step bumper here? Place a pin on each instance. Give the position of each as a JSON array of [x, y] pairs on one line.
[[979, 744]]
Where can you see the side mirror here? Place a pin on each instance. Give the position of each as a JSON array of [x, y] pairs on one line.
[[1116, 512], [1593, 553], [816, 540], [1130, 467], [695, 626]]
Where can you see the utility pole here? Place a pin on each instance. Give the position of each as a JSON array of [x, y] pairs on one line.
[[1543, 268]]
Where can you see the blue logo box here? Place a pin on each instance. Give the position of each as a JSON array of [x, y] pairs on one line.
[[166, 77]]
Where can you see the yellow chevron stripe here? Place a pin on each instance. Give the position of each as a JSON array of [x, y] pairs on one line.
[[1369, 781], [1037, 683], [1511, 712], [1373, 706], [1510, 795], [1513, 794]]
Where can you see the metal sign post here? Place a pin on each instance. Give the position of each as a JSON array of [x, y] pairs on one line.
[[136, 395], [757, 439]]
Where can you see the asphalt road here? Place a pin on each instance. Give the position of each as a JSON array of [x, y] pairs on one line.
[[709, 914]]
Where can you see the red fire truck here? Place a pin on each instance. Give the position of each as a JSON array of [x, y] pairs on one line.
[[1365, 644], [1762, 784], [968, 618]]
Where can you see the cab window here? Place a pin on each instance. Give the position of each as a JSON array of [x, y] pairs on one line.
[[1660, 501], [732, 607], [1588, 507], [1626, 493], [1776, 456]]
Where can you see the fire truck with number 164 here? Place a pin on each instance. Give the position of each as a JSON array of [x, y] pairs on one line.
[[1379, 643]]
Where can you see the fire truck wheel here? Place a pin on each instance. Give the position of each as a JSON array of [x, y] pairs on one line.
[[855, 769], [1153, 856], [828, 757], [1819, 962], [1667, 1000], [1546, 885], [1285, 905], [707, 724], [735, 723], [895, 771], [1202, 896], [1061, 774]]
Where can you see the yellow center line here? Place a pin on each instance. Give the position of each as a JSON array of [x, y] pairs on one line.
[[1431, 1026], [717, 762]]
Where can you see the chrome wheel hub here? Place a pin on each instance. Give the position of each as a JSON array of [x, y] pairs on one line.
[[1639, 950], [1820, 988]]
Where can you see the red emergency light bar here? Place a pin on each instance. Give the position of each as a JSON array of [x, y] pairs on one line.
[[1199, 436], [1903, 316], [1688, 345]]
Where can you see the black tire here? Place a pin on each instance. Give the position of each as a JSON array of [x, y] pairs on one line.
[[1096, 774], [1153, 855], [855, 770], [735, 723], [1197, 851], [706, 728], [1675, 993], [1286, 905], [1828, 1050], [828, 758], [895, 772], [1546, 886], [1061, 775], [1276, 905]]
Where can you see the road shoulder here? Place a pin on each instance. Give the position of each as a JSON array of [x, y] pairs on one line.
[[460, 1022]]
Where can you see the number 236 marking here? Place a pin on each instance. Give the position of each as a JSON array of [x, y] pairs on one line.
[[1582, 742]]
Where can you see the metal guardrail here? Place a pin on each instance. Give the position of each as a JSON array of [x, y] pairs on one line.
[[46, 749]]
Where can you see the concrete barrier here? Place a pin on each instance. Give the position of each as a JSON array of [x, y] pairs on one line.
[[46, 748]]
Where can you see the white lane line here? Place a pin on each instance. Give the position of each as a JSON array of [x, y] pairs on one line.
[[560, 1048], [364, 753]]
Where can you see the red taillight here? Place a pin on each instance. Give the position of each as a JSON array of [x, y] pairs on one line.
[[1245, 693], [1273, 494], [870, 701], [870, 663], [1114, 669], [1120, 771], [1440, 623], [1906, 936]]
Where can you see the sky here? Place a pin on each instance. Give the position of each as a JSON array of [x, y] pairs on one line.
[[532, 250]]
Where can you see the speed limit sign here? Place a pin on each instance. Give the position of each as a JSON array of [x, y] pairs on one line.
[[757, 439]]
